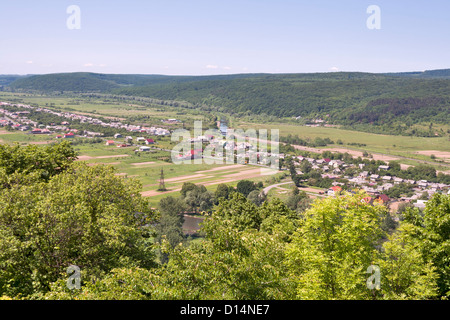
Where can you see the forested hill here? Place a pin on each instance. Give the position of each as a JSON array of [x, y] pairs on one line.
[[355, 99]]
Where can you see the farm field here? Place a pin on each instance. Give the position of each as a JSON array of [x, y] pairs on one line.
[[105, 108], [146, 167], [389, 147]]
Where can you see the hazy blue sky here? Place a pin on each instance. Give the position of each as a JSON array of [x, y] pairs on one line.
[[222, 37]]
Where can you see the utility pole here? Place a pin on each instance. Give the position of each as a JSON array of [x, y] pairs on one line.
[[162, 186]]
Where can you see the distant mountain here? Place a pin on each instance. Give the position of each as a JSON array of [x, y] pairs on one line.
[[7, 79], [436, 74], [98, 82]]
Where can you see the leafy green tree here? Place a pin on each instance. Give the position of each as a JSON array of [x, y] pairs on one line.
[[222, 191], [245, 187], [295, 198], [199, 199], [85, 216], [186, 187], [170, 224], [431, 231], [46, 161], [333, 248], [405, 274], [257, 197]]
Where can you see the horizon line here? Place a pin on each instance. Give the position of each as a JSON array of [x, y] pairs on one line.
[[219, 74]]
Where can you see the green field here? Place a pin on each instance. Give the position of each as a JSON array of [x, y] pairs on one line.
[[105, 108], [375, 143]]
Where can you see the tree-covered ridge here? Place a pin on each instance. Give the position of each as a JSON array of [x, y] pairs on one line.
[[287, 97], [394, 103]]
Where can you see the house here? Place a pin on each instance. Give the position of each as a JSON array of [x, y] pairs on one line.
[[397, 180], [144, 148], [382, 199], [422, 183], [364, 174], [69, 135], [383, 168], [368, 200], [333, 191], [149, 141], [140, 139], [110, 143], [420, 204], [117, 135], [36, 131]]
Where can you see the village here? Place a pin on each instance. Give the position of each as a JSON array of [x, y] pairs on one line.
[[19, 121], [374, 184], [220, 149]]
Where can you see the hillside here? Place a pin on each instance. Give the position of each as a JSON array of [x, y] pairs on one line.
[[393, 103], [7, 79]]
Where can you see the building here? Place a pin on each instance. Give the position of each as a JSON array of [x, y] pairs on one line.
[[333, 191], [382, 199], [223, 128], [110, 143], [144, 149], [69, 135]]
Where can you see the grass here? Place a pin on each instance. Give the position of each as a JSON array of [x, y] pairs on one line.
[[149, 173], [375, 143], [106, 108], [24, 138]]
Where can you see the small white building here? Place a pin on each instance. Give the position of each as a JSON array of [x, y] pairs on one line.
[[144, 148]]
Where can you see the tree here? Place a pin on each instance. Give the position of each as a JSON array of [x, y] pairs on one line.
[[257, 197], [333, 247], [222, 191], [85, 216], [170, 224], [404, 272], [186, 187], [47, 161], [431, 231], [295, 198], [171, 220], [245, 187]]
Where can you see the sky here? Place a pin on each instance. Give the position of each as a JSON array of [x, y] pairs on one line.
[[202, 37]]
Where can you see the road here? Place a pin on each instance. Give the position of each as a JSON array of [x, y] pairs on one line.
[[267, 189]]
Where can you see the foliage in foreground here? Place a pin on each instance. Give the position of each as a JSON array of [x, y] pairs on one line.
[[269, 252], [87, 216]]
